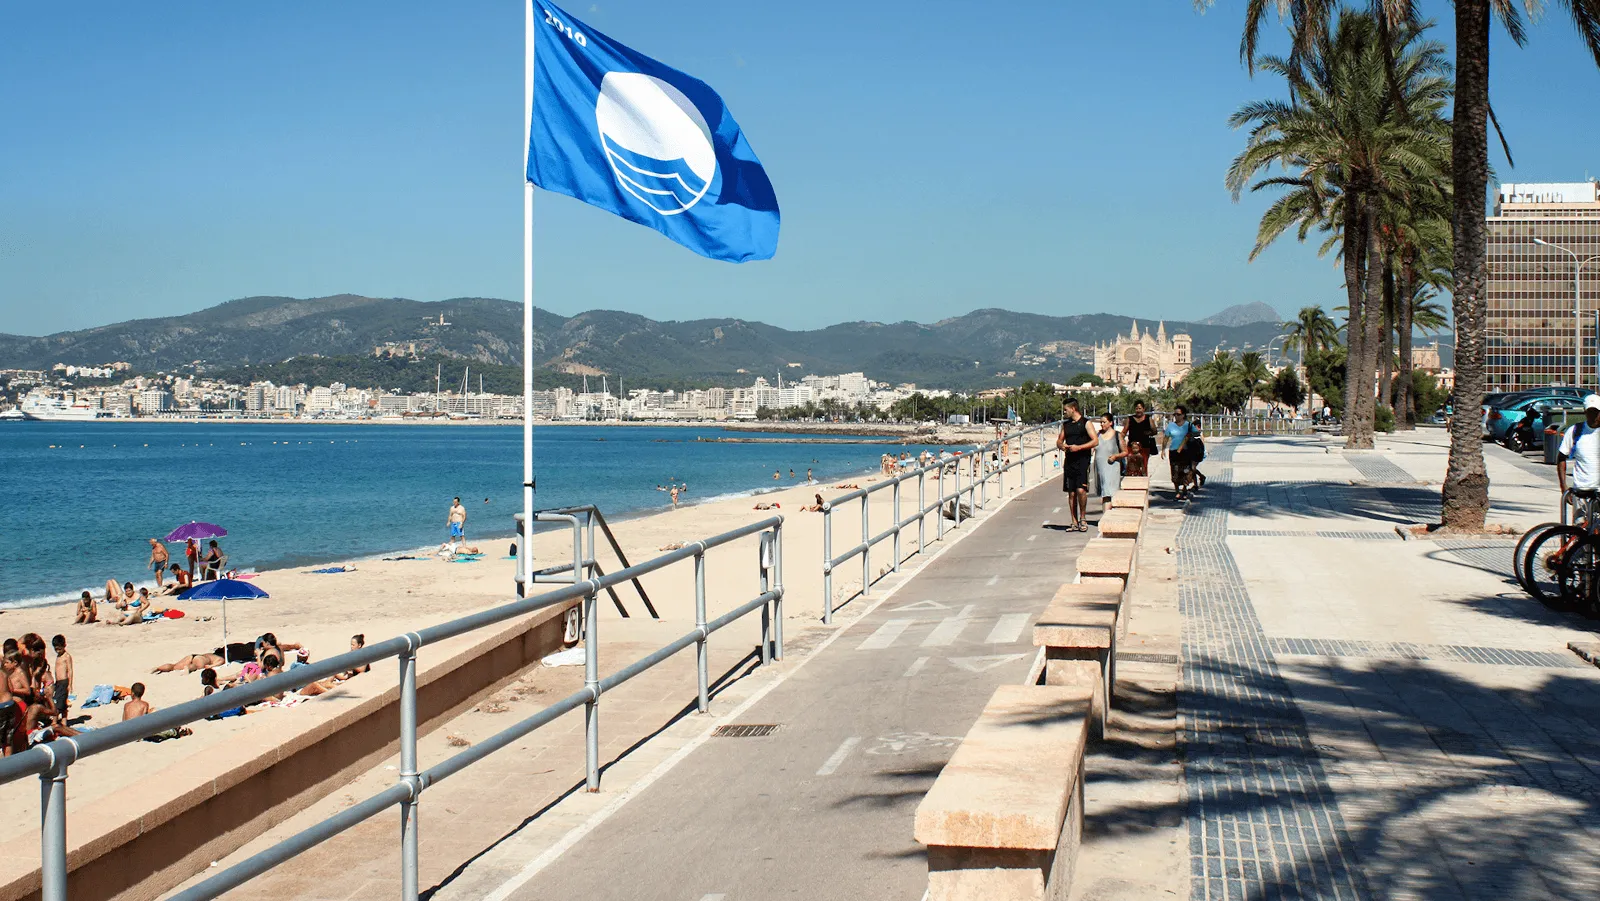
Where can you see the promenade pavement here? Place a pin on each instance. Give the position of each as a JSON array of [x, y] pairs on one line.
[[1309, 706], [1372, 717]]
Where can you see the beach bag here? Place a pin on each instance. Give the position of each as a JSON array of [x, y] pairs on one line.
[[1195, 448]]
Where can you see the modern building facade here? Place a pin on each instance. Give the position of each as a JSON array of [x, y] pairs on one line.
[[1539, 331]]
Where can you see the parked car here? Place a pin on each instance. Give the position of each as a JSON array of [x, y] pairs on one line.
[[1507, 414]]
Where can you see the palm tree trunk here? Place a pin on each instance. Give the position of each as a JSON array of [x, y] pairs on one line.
[[1386, 351], [1405, 410], [1465, 495], [1355, 251], [1360, 436]]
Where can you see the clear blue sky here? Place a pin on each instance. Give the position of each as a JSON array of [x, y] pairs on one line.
[[931, 157]]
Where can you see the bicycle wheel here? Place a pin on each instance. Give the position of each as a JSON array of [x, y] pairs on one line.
[[1580, 581], [1547, 562], [1519, 557]]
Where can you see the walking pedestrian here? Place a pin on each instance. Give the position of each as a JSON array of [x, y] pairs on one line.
[[1139, 433], [1077, 443]]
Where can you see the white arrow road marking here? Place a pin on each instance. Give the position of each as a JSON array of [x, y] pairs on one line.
[[1031, 537], [1008, 628], [920, 605], [994, 580], [1055, 510], [885, 635], [915, 667], [979, 664], [949, 628], [1015, 554], [833, 763]]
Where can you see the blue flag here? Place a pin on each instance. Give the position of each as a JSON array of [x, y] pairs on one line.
[[620, 131]]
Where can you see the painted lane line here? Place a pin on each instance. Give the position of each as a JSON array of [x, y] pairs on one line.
[[885, 635], [719, 896], [993, 580], [833, 763], [949, 628], [916, 667], [1008, 629], [576, 834]]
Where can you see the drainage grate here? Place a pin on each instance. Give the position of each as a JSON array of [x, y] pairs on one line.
[[745, 730], [1137, 657]]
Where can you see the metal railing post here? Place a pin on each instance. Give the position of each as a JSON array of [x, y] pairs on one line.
[[702, 659], [762, 549], [589, 571], [53, 833], [866, 551], [580, 571], [591, 681], [958, 495], [827, 564], [777, 584], [896, 491], [922, 508], [408, 771]]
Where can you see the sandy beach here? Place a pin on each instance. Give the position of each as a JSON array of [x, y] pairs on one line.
[[385, 598]]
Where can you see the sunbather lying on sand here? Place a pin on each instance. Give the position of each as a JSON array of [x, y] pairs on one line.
[[194, 662]]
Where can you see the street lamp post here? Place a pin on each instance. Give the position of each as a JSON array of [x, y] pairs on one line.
[[1577, 312]]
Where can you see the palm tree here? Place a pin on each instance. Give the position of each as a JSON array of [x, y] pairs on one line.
[[1311, 330], [1257, 377], [1465, 495], [1352, 155]]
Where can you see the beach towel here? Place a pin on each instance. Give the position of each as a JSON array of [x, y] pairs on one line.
[[98, 696], [334, 569], [173, 614], [245, 576]]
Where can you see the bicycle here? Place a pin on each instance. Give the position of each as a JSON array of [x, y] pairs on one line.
[[1558, 564]]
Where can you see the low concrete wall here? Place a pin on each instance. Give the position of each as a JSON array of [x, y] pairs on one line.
[[145, 839]]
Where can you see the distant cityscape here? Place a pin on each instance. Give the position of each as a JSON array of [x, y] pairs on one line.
[[58, 394]]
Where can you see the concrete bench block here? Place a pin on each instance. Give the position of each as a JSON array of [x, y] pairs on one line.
[[1107, 557], [1135, 483], [1130, 497], [1081, 615], [1004, 818], [1121, 522]]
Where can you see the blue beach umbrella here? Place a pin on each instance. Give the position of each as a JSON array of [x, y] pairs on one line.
[[223, 590]]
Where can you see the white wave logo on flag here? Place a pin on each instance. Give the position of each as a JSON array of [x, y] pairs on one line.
[[658, 144]]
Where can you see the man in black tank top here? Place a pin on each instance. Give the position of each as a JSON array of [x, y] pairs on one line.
[[1077, 441]]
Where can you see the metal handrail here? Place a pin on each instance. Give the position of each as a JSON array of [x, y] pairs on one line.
[[51, 761], [977, 491], [584, 561]]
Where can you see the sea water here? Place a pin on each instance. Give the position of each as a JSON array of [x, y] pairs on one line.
[[81, 500]]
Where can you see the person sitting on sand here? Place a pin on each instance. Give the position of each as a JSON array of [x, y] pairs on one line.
[[194, 662], [113, 591], [42, 724], [357, 642], [88, 611], [813, 508], [771, 506], [268, 645], [180, 581], [136, 706]]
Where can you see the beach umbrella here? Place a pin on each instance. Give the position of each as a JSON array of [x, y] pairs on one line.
[[223, 590], [199, 531]]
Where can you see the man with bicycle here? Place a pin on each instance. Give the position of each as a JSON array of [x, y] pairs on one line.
[[1581, 445]]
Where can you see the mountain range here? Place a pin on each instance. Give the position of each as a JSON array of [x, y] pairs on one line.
[[985, 346]]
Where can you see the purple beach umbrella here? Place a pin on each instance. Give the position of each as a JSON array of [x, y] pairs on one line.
[[199, 531]]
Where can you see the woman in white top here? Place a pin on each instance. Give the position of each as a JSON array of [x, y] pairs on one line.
[[1108, 455]]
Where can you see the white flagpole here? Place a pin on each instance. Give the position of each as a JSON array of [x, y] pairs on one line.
[[525, 550]]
